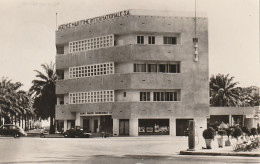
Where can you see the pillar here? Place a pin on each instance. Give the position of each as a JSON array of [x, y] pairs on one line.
[[191, 137], [172, 126], [65, 125], [200, 126], [230, 120], [250, 123], [133, 127], [81, 123], [77, 121], [115, 127]]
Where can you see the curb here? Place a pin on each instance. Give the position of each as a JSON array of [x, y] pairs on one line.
[[220, 154]]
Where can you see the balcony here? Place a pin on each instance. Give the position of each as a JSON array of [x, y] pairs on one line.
[[124, 53], [122, 81]]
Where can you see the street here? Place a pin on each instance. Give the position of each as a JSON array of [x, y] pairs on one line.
[[121, 150]]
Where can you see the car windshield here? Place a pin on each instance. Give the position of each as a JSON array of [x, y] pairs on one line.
[[13, 127]]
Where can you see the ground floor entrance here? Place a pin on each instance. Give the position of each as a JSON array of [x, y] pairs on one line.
[[133, 126], [97, 124], [182, 126], [123, 127]]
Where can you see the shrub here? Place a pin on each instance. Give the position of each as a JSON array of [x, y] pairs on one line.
[[221, 132], [229, 132], [209, 133], [245, 129], [254, 132], [237, 132]]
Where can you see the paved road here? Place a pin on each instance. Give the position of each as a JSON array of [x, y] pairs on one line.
[[116, 150]]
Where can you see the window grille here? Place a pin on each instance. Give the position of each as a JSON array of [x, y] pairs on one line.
[[91, 43], [91, 97], [91, 70]]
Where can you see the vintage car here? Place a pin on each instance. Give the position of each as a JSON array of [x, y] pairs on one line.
[[11, 130], [76, 132]]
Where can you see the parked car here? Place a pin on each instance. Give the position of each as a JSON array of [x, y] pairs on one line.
[[76, 132], [44, 132], [12, 130]]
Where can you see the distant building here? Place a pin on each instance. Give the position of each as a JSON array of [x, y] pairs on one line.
[[133, 73], [234, 116]]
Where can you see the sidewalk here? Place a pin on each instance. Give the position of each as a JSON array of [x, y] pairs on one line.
[[37, 132], [225, 151]]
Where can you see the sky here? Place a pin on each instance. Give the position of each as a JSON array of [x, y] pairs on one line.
[[28, 32]]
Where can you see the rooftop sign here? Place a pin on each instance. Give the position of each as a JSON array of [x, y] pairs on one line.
[[94, 20]]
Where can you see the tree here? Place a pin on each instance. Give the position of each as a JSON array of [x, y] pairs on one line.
[[13, 101], [24, 105], [223, 91], [253, 96], [8, 95], [43, 93]]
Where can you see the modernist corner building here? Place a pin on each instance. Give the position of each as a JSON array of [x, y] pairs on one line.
[[134, 72]]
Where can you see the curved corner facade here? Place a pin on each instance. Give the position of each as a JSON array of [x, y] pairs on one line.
[[133, 74]]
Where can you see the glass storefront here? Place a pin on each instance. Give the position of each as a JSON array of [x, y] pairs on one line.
[[153, 126]]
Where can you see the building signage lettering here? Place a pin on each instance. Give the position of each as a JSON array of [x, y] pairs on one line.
[[96, 113], [94, 20]]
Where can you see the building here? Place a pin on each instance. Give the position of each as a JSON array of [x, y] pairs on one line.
[[133, 72], [233, 116]]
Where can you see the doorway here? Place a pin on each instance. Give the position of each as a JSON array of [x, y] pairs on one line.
[[124, 127], [86, 124], [95, 126], [182, 126]]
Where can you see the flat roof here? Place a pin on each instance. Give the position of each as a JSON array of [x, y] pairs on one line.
[[124, 13]]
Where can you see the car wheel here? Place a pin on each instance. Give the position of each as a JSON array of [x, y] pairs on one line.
[[42, 136], [66, 135], [16, 135]]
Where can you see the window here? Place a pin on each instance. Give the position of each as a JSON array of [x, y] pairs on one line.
[[60, 49], [92, 43], [140, 39], [169, 40], [174, 68], [152, 67], [91, 70], [151, 39], [144, 96], [163, 68], [124, 94], [165, 96], [91, 97], [139, 67]]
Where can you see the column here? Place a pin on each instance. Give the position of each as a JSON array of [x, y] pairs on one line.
[[200, 126], [172, 126], [77, 121], [81, 122], [133, 127], [230, 120], [115, 127], [98, 124], [65, 125]]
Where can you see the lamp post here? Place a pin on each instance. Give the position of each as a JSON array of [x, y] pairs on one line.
[[191, 136]]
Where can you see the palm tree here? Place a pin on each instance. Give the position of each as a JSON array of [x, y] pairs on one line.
[[24, 106], [223, 91], [8, 101], [43, 93]]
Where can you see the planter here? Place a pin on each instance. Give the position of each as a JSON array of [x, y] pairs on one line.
[[227, 143], [208, 143], [220, 142]]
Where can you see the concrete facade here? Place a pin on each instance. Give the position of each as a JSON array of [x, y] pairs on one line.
[[189, 85]]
